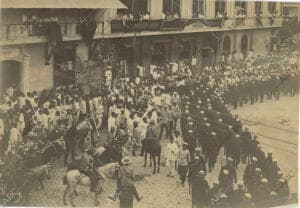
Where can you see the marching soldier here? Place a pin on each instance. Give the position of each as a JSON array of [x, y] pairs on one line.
[[200, 190]]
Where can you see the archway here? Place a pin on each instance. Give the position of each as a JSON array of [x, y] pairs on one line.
[[226, 47], [244, 45], [10, 75]]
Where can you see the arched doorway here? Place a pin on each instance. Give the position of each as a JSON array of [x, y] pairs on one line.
[[226, 47], [10, 74], [244, 45], [207, 56]]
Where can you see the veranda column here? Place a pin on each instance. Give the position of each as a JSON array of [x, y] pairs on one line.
[[265, 9], [155, 8], [186, 9], [250, 8], [230, 8], [210, 8], [25, 74]]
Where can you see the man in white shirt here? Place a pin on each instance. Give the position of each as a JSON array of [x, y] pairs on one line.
[[112, 121], [1, 128], [171, 156]]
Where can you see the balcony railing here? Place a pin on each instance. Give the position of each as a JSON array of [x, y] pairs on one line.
[[26, 31], [119, 26]]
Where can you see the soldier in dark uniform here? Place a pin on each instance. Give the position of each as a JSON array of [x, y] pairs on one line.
[[237, 124], [250, 173], [126, 189], [196, 165], [283, 191], [246, 145], [70, 142], [231, 169], [236, 149], [237, 196], [248, 201], [260, 157], [200, 191], [212, 150], [226, 182], [261, 193]]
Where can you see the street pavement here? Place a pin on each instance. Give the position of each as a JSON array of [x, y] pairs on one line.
[[165, 192]]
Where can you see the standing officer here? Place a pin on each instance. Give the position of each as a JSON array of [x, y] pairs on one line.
[[200, 191], [126, 188]]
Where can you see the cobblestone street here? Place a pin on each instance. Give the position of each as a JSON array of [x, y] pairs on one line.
[[165, 192]]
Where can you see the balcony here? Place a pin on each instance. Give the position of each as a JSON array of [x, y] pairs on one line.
[[120, 26], [252, 22], [36, 32]]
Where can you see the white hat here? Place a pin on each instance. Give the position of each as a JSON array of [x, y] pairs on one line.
[[225, 172], [257, 169], [281, 180], [205, 118], [220, 120], [213, 133], [230, 126], [248, 196], [201, 112], [240, 183], [201, 172], [207, 124], [264, 180], [254, 158], [237, 136], [126, 161], [273, 193], [190, 131]]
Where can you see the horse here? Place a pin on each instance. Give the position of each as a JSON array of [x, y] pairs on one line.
[[94, 176], [153, 147]]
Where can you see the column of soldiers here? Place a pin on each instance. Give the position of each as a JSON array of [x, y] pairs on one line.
[[260, 81], [207, 126]]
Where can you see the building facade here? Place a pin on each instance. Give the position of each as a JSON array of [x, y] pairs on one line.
[[135, 32]]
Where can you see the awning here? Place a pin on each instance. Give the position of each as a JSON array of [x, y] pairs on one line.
[[62, 4]]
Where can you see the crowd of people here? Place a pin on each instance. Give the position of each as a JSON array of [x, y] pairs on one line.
[[193, 112]]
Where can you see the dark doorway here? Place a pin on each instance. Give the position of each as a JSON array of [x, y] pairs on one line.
[[226, 47], [10, 75], [244, 45], [64, 62], [159, 54], [185, 51], [126, 54], [207, 57]]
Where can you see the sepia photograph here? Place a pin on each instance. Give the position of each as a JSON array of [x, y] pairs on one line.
[[149, 103]]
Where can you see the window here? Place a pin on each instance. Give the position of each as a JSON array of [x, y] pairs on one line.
[[258, 7], [220, 7], [198, 8], [171, 7], [136, 6], [272, 7], [241, 6]]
